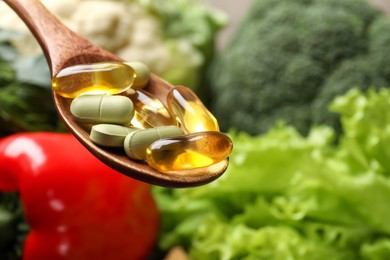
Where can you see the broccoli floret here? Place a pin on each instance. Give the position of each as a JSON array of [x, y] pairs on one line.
[[289, 59], [379, 49], [370, 70], [351, 73]]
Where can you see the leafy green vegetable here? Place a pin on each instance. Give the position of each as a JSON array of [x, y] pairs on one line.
[[13, 227], [25, 93], [286, 196]]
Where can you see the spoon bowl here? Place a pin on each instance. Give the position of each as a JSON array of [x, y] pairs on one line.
[[63, 48]]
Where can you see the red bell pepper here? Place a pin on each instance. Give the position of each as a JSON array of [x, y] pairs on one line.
[[76, 206]]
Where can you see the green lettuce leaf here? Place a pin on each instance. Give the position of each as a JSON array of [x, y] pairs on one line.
[[286, 196]]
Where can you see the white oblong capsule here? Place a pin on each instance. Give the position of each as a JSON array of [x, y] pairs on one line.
[[95, 109], [110, 135], [137, 142]]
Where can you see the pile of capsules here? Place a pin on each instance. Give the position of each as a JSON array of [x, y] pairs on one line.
[[109, 100]]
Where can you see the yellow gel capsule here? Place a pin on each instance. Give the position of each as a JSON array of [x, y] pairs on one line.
[[95, 79], [190, 112], [149, 110], [171, 155]]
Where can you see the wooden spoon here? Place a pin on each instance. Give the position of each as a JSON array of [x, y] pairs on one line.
[[62, 48]]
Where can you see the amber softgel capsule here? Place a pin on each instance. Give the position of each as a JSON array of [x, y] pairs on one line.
[[196, 150], [190, 112], [96, 78], [149, 110]]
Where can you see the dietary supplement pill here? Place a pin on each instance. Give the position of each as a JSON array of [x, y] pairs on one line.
[[142, 73], [188, 151], [190, 112], [149, 110], [110, 135], [97, 78], [95, 109], [135, 143]]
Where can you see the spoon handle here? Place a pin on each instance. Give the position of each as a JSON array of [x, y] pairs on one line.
[[61, 46]]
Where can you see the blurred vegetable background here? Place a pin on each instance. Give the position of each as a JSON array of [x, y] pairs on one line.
[[302, 88], [287, 196], [289, 59]]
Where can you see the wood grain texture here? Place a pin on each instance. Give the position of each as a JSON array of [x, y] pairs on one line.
[[62, 48]]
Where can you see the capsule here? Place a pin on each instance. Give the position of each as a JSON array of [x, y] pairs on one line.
[[109, 135], [190, 113], [96, 109], [135, 143], [196, 150], [149, 110], [142, 74], [96, 79]]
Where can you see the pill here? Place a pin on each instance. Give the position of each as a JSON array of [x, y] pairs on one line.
[[95, 109], [110, 135], [190, 112], [142, 73], [190, 151], [135, 143], [98, 78], [149, 110]]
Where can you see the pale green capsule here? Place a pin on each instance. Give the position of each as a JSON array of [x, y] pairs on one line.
[[96, 109], [142, 73], [135, 143], [109, 135]]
